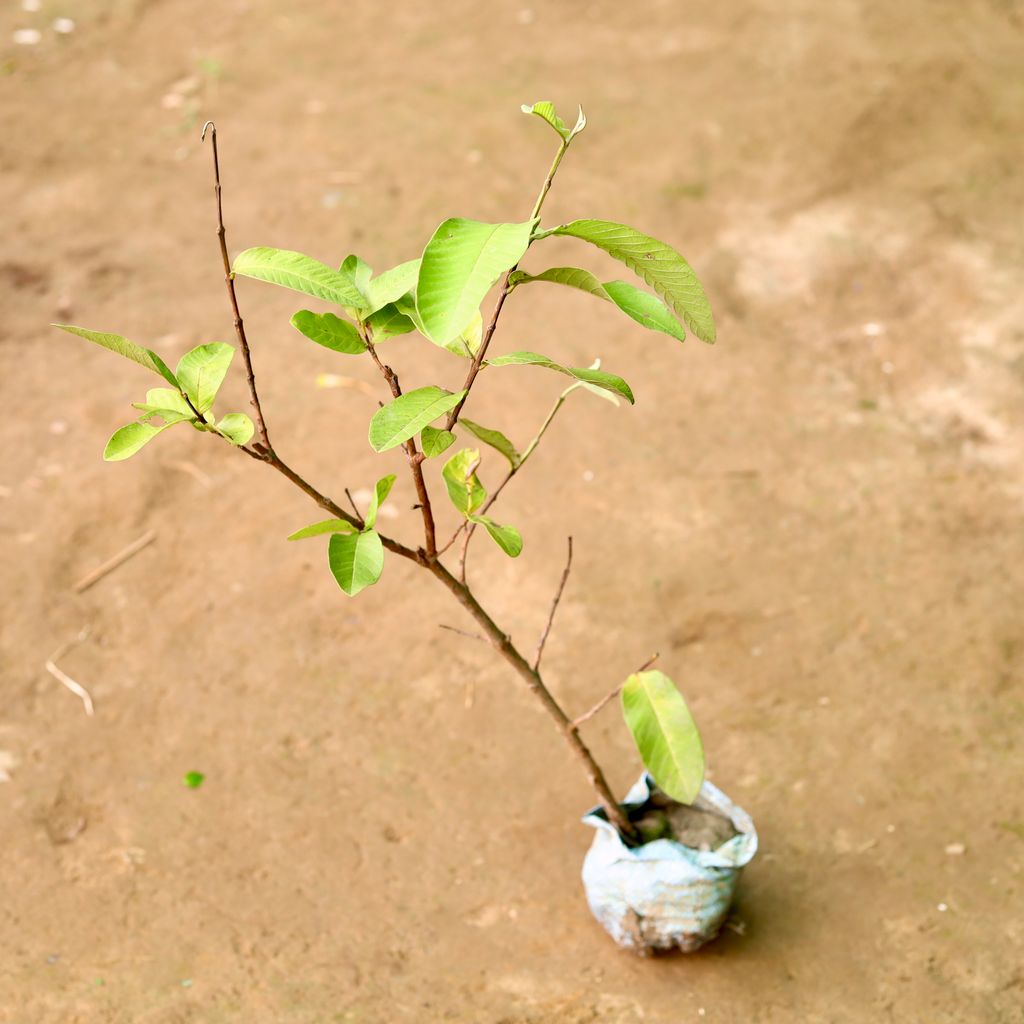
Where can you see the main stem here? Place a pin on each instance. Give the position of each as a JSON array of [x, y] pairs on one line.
[[531, 676]]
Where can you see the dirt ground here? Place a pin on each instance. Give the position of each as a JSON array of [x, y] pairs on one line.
[[817, 521]]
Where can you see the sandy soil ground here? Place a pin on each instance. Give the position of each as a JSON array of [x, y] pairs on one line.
[[817, 521]]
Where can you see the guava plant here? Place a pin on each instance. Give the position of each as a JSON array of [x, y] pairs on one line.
[[437, 298]]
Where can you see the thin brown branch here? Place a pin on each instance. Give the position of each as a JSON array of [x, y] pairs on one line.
[[554, 608], [587, 715], [229, 280], [352, 502], [532, 678]]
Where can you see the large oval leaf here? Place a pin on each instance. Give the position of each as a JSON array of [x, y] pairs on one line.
[[460, 264], [356, 559], [608, 381], [407, 415], [656, 263], [665, 734], [300, 273]]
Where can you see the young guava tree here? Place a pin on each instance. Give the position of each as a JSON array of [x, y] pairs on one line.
[[437, 298]]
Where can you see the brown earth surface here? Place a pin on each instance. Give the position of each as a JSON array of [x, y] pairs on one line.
[[817, 522]]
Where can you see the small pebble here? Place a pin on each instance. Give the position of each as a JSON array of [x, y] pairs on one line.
[[824, 701], [890, 828], [942, 908], [872, 330], [30, 5], [65, 26], [588, 475], [27, 36], [58, 427], [956, 849]]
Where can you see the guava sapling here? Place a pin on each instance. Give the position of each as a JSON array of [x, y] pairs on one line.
[[437, 299]]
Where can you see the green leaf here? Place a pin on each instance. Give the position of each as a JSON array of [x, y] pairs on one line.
[[325, 526], [237, 428], [388, 322], [656, 263], [460, 264], [392, 284], [193, 779], [496, 439], [546, 111], [129, 439], [380, 493], [646, 309], [300, 273], [464, 488], [608, 381], [467, 344], [464, 344], [123, 347], [330, 331], [665, 734], [357, 560], [508, 538], [573, 277], [436, 441], [407, 415], [167, 403], [359, 274], [201, 372]]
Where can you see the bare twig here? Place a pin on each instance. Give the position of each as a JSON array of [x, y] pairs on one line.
[[461, 632], [352, 502], [229, 280], [587, 715], [554, 607], [112, 563], [62, 677]]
